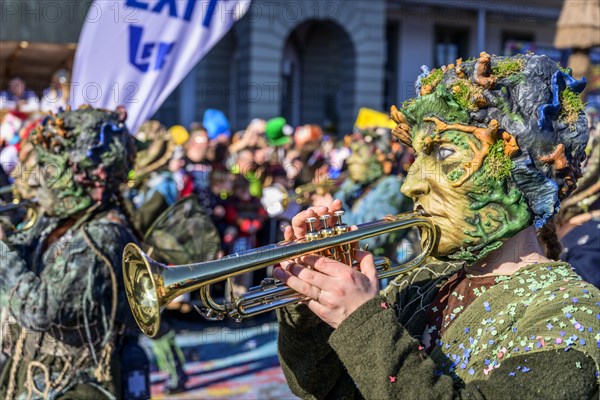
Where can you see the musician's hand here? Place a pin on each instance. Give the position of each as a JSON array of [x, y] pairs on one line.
[[298, 227], [334, 290]]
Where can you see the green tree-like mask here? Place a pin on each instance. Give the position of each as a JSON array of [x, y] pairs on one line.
[[83, 156], [494, 148]]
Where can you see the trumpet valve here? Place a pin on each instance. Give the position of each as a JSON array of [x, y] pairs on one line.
[[340, 226], [344, 251], [311, 232], [326, 231], [338, 217]]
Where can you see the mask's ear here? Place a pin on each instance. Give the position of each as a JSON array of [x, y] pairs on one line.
[[402, 129]]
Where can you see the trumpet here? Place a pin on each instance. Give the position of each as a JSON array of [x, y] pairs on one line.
[[151, 285]]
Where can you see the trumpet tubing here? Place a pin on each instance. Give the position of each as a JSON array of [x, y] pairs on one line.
[[151, 285]]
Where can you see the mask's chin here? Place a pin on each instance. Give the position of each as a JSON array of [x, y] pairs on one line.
[[456, 249], [65, 207]]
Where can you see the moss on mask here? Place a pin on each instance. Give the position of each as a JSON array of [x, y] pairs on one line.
[[572, 105], [502, 212], [497, 166], [509, 66]]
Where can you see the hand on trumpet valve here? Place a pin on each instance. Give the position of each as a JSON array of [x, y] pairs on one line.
[[333, 290]]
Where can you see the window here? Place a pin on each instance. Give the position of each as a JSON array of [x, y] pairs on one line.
[[450, 43], [516, 42]]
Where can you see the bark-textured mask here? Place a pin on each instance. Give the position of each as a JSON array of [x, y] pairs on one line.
[[499, 143], [84, 156]]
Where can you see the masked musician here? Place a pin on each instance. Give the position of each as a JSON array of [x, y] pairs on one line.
[[498, 144], [61, 282]]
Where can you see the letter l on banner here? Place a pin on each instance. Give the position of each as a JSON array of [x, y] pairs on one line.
[[135, 52]]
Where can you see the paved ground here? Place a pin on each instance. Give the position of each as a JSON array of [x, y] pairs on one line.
[[227, 361]]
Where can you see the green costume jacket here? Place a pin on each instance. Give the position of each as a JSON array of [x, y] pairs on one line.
[[533, 335], [67, 305]]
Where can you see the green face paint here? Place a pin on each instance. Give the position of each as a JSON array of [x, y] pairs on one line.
[[476, 216], [59, 194], [76, 152], [363, 166]]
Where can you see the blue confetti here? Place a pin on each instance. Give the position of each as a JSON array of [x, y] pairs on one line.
[[491, 342], [562, 333], [526, 348], [512, 373], [568, 315], [525, 369], [575, 300], [582, 342], [466, 330], [549, 326], [463, 366], [487, 362], [584, 291], [514, 329], [472, 371]]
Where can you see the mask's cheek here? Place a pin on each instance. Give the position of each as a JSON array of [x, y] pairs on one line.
[[453, 170], [60, 195]]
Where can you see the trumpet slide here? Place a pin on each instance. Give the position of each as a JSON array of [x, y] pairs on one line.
[[151, 285]]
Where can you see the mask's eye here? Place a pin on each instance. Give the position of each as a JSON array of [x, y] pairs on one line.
[[443, 152]]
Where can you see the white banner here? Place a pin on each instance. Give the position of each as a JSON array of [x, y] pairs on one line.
[[135, 52]]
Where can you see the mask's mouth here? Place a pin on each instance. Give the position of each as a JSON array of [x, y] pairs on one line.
[[418, 208]]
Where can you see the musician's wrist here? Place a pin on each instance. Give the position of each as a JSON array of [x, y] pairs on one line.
[[299, 317]]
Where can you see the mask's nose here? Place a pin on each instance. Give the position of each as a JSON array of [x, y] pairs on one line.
[[414, 185]]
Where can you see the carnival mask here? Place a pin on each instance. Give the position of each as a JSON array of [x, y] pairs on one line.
[[494, 153]]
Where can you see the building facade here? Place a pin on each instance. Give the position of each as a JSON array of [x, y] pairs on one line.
[[320, 61]]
